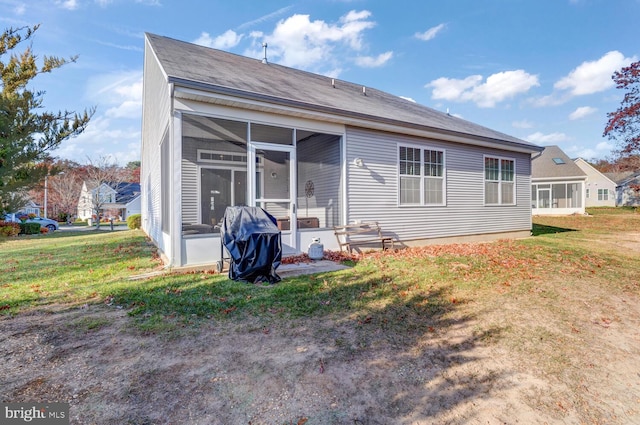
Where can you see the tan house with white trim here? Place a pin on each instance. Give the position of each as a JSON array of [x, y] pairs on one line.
[[600, 190]]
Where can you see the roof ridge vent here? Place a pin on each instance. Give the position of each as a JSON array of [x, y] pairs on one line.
[[333, 83], [264, 59], [364, 91]]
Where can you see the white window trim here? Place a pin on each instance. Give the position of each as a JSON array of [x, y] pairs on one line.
[[484, 181], [603, 194], [422, 177]]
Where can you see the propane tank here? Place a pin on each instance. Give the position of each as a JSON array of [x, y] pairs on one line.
[[316, 249]]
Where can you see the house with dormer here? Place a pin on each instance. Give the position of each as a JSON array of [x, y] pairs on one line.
[[115, 200]]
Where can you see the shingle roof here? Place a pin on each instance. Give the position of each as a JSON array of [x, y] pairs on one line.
[[543, 165], [212, 70], [621, 177], [126, 192]]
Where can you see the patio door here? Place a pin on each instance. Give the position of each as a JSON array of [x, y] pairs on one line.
[[273, 187]]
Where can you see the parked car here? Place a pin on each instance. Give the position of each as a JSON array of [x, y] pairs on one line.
[[50, 224]]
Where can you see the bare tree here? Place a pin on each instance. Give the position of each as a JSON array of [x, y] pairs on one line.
[[64, 190], [102, 178]]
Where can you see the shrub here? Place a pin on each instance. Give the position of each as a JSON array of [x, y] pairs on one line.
[[8, 228], [134, 221], [30, 228]]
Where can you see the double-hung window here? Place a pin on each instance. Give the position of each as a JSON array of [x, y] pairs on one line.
[[499, 181], [603, 194], [421, 176]]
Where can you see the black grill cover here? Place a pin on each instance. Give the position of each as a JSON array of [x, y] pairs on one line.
[[253, 240]]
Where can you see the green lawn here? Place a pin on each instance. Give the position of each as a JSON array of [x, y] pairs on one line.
[[70, 269]]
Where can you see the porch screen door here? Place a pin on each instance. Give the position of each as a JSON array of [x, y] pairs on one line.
[[272, 186], [544, 198]]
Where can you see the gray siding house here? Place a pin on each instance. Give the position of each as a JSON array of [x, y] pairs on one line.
[[627, 190], [221, 129], [600, 189], [557, 184]]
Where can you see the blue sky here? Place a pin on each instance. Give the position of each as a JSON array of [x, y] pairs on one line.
[[539, 70]]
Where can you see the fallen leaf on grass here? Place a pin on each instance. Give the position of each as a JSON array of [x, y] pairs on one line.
[[302, 421]]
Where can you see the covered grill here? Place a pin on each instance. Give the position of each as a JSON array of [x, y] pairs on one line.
[[252, 239]]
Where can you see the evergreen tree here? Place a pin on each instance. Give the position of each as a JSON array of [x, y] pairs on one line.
[[27, 132]]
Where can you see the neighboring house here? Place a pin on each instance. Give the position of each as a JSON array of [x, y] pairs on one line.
[[627, 188], [600, 190], [557, 184], [122, 198], [29, 208], [221, 129]]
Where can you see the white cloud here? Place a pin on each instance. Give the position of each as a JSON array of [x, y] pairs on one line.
[[20, 9], [261, 19], [594, 76], [224, 41], [299, 42], [67, 4], [453, 89], [373, 62], [126, 109], [582, 112], [120, 46], [553, 99], [601, 150], [522, 124], [116, 88], [114, 130], [498, 87], [547, 139], [430, 33], [102, 138]]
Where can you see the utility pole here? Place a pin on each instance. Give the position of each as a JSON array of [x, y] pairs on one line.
[[46, 179]]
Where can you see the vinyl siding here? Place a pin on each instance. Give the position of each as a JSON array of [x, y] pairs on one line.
[[155, 123], [596, 180], [372, 190], [190, 181]]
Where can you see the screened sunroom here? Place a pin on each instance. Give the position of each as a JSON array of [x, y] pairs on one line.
[[293, 173]]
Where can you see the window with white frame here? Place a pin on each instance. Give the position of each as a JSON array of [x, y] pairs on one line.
[[421, 176], [603, 194], [499, 181]]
